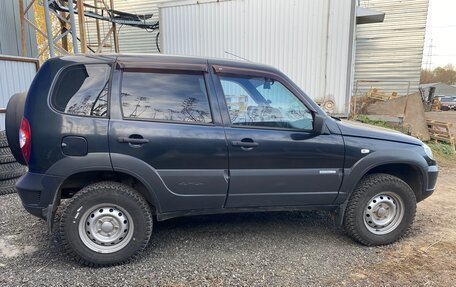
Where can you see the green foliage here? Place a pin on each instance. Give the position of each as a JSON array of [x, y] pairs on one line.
[[443, 150], [365, 119]]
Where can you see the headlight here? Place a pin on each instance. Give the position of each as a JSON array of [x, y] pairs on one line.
[[428, 151]]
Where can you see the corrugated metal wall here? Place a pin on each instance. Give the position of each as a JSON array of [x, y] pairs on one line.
[[10, 30], [308, 40], [131, 39], [15, 77], [392, 50]]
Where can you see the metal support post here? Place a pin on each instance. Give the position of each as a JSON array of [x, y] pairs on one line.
[[48, 28], [74, 36]]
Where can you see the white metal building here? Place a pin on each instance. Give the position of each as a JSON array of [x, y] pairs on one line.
[[389, 54], [311, 41], [16, 75]]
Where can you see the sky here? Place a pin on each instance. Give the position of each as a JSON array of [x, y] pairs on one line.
[[441, 34]]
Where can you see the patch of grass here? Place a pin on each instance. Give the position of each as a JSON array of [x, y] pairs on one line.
[[442, 150], [444, 154], [365, 119]]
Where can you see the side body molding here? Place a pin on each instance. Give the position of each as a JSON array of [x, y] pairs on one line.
[[158, 193]]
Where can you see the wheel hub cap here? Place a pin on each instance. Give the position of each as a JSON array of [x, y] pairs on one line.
[[105, 229], [383, 213]]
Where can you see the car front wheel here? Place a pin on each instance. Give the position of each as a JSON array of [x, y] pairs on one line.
[[106, 223], [380, 210]]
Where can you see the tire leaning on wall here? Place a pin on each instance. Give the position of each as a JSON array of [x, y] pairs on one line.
[[10, 169]]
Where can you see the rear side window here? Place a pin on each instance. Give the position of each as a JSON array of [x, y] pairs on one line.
[[165, 97], [83, 90]]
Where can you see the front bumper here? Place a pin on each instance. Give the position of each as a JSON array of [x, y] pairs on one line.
[[37, 193], [432, 174]]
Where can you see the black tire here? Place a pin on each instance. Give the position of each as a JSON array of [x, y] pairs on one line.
[[3, 139], [5, 151], [445, 108], [6, 156], [8, 186], [11, 170], [115, 196], [13, 119], [372, 187]]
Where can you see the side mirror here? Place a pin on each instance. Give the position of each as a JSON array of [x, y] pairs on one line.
[[319, 124]]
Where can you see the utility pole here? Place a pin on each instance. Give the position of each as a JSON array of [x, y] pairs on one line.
[[429, 57]]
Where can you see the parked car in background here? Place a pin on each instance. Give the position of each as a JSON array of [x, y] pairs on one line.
[[128, 137], [447, 103]]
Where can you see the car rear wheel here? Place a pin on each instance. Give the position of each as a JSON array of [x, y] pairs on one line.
[[106, 223], [380, 210]]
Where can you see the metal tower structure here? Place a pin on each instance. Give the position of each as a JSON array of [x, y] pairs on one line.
[[66, 11]]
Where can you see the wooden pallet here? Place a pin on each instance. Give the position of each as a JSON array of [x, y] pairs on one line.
[[376, 94], [441, 131]]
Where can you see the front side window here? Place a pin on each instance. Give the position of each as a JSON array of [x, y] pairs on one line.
[[83, 90], [264, 102], [165, 97]]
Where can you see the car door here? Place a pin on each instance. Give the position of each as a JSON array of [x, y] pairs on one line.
[[167, 131], [275, 157]]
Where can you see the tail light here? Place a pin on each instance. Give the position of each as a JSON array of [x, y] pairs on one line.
[[25, 139]]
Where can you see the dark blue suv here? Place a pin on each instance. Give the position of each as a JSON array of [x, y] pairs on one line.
[[129, 137]]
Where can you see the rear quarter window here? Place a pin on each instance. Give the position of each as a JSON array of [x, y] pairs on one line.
[[82, 90], [165, 96]]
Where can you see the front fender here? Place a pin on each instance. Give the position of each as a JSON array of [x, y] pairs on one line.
[[352, 175]]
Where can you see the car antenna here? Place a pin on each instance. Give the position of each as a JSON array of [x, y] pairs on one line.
[[237, 56]]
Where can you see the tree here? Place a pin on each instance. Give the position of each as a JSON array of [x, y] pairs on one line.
[[427, 76], [445, 75]]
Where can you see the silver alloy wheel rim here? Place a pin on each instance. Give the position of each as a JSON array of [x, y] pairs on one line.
[[106, 228], [383, 213]]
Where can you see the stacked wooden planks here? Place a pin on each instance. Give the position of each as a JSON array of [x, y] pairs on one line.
[[441, 131], [376, 94]]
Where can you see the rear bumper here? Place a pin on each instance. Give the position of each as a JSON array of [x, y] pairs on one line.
[[37, 192], [432, 173]]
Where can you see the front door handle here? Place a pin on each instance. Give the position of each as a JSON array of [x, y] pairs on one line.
[[133, 140], [248, 143]]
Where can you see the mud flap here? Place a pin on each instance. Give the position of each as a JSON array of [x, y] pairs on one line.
[[50, 211], [340, 212]]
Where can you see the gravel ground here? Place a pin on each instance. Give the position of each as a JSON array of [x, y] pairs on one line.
[[264, 249]]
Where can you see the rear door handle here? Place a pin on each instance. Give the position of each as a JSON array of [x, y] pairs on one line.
[[245, 143], [132, 140]]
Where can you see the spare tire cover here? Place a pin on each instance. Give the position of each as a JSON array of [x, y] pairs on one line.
[[13, 119]]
